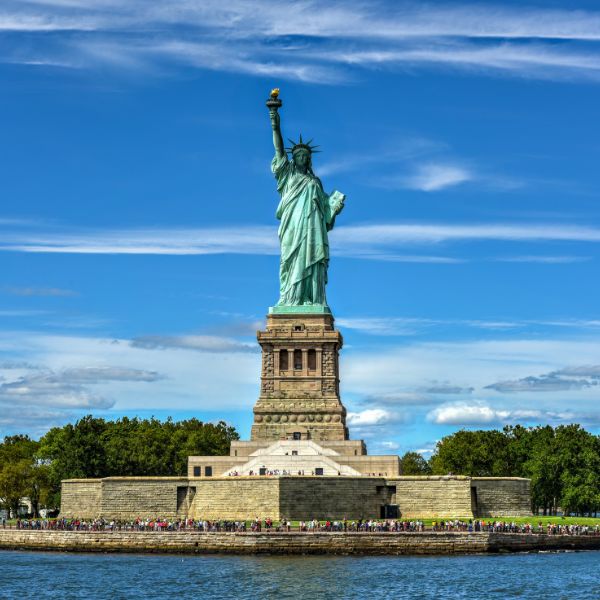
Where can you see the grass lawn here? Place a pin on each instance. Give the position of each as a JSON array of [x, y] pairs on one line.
[[534, 520]]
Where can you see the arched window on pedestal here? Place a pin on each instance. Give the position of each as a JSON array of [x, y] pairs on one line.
[[283, 360], [298, 360], [312, 360]]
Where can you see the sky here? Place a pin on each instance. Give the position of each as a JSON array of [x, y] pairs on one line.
[[138, 238]]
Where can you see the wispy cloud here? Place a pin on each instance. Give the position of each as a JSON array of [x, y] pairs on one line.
[[21, 312], [411, 326], [569, 378], [448, 388], [371, 417], [39, 420], [549, 260], [310, 41], [480, 413], [36, 291], [49, 390], [406, 148], [200, 343], [390, 445], [432, 233], [398, 399], [471, 365], [73, 374], [374, 241], [177, 241], [385, 326], [67, 388], [434, 177], [102, 374]]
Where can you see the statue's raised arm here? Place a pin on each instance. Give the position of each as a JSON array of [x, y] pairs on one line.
[[274, 103], [306, 214]]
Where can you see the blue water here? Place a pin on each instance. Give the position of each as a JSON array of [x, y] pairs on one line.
[[126, 576]]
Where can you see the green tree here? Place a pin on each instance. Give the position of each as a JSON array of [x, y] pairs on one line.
[[14, 484], [579, 463], [412, 463], [543, 469], [16, 459], [93, 447], [39, 487], [475, 453]]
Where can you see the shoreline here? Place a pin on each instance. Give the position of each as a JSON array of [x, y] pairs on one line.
[[293, 543]]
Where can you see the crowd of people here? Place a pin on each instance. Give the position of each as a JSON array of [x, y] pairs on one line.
[[513, 527], [312, 526]]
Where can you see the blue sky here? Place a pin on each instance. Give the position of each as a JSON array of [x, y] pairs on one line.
[[138, 246]]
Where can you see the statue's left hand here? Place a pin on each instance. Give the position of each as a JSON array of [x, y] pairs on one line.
[[337, 202]]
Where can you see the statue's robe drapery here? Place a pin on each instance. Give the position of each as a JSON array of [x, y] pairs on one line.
[[306, 213]]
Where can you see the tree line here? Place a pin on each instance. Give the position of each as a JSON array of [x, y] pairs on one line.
[[94, 447], [562, 462]]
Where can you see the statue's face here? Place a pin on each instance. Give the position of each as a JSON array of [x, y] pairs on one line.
[[302, 159]]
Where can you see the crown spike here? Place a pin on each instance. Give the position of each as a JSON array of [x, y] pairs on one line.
[[301, 144]]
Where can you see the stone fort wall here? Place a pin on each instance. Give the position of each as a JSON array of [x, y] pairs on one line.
[[496, 497], [81, 498], [296, 498]]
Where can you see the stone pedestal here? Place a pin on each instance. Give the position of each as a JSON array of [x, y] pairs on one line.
[[299, 394]]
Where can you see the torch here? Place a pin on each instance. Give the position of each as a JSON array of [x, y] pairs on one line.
[[273, 103]]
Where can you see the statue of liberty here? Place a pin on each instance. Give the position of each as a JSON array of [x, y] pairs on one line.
[[306, 213]]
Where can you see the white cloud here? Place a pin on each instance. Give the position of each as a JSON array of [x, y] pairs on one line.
[[412, 326], [372, 241], [173, 378], [335, 19], [399, 399], [40, 291], [371, 416], [436, 233], [480, 413], [38, 421], [256, 39], [410, 258], [543, 61], [201, 343], [447, 388], [473, 365], [101, 374], [396, 152], [383, 325], [48, 391], [177, 241], [434, 177], [390, 445], [22, 313], [569, 378], [551, 260], [467, 414], [65, 389]]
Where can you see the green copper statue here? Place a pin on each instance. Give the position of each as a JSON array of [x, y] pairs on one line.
[[306, 213]]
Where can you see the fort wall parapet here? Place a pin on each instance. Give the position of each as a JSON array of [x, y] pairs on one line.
[[296, 498]]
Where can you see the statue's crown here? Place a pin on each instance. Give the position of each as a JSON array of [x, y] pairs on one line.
[[301, 145]]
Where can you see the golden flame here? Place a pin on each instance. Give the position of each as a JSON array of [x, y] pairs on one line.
[[274, 92]]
